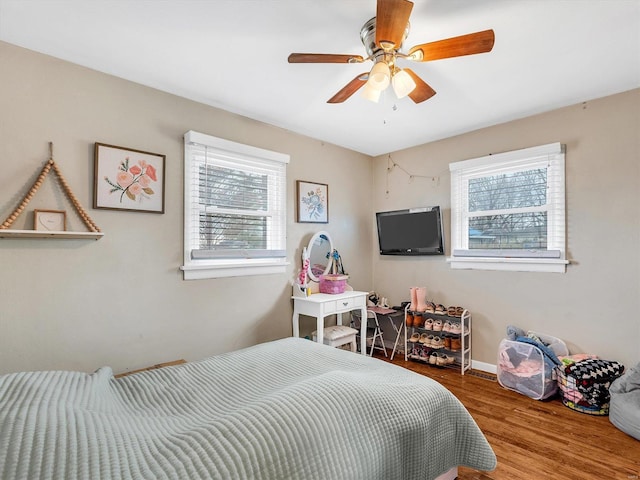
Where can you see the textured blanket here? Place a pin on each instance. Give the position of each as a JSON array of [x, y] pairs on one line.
[[289, 409]]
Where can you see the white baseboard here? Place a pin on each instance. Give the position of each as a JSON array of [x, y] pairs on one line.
[[484, 367]]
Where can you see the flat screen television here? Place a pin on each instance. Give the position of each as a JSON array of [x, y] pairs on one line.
[[416, 231]]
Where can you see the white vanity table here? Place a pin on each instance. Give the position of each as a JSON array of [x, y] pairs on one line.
[[320, 305], [319, 254]]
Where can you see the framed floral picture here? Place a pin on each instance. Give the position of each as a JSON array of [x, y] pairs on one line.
[[128, 179], [312, 202]]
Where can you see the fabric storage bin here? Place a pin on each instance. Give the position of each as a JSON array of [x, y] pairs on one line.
[[527, 365]]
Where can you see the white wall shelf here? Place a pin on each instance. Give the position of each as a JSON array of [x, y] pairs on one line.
[[50, 234]]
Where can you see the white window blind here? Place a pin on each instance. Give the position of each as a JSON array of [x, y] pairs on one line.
[[235, 208], [511, 207]]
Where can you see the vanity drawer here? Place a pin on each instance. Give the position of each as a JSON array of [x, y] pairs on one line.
[[346, 304]]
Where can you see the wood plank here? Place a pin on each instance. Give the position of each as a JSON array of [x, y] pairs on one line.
[[153, 367], [536, 440]]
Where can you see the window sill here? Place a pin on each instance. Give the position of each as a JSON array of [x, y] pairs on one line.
[[200, 272], [550, 265]]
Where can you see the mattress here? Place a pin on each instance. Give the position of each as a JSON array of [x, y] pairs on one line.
[[288, 409]]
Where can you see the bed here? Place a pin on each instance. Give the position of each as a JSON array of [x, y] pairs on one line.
[[288, 409]]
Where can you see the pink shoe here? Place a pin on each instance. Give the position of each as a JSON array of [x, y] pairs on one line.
[[421, 293], [414, 299]]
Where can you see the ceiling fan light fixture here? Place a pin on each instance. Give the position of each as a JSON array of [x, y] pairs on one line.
[[402, 84], [380, 76], [371, 93]]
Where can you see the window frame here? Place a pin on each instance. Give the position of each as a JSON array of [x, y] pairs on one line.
[[197, 266], [553, 259]]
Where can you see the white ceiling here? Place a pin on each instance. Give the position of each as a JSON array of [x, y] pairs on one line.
[[232, 54]]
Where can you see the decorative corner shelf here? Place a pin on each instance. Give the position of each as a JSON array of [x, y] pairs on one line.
[[50, 234]]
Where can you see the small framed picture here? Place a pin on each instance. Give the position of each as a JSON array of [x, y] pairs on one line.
[[128, 179], [312, 202], [50, 220]]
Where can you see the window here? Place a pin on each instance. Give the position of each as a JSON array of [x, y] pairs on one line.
[[235, 208], [508, 211]]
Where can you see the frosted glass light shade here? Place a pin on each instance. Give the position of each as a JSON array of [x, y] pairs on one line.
[[403, 84], [371, 93], [379, 76]]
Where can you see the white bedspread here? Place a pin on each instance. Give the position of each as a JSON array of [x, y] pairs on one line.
[[289, 409]]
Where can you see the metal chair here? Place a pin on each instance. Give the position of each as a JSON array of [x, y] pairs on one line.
[[374, 332]]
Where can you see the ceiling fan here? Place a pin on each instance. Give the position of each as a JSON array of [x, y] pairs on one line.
[[383, 37]]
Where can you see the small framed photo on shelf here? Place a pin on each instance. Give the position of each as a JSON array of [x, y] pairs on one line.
[[50, 220], [128, 179], [312, 200]]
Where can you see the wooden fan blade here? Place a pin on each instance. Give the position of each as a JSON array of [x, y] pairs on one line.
[[350, 88], [422, 91], [392, 17], [470, 44], [324, 58]]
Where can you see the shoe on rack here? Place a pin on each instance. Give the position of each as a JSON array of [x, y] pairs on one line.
[[459, 311], [437, 342], [424, 354], [428, 324], [418, 320], [451, 311], [414, 338], [424, 338], [414, 299], [431, 307], [446, 327], [456, 344], [455, 329], [440, 309], [421, 297], [409, 320], [443, 359], [433, 358], [437, 325], [447, 342]]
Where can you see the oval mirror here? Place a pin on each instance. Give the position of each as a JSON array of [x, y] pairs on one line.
[[320, 259]]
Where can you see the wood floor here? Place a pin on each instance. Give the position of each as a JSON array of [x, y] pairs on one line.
[[538, 440]]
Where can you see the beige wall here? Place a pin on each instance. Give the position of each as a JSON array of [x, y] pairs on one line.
[[594, 306], [121, 300]]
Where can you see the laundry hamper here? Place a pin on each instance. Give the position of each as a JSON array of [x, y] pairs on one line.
[[584, 385], [573, 399], [525, 365]]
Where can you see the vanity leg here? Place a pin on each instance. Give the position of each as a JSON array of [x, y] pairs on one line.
[[296, 323], [320, 329], [363, 330]]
